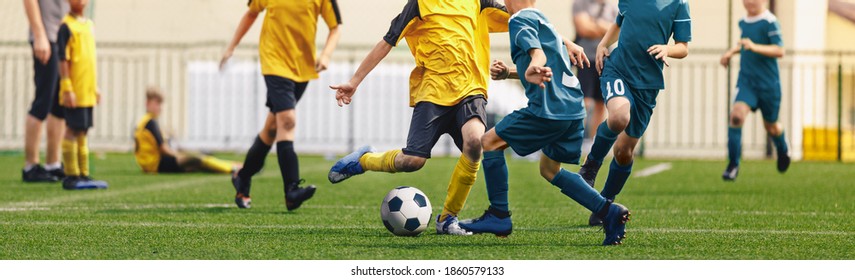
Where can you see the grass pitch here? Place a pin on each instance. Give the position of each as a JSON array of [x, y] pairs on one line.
[[686, 212]]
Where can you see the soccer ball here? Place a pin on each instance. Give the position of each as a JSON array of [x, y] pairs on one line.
[[405, 211]]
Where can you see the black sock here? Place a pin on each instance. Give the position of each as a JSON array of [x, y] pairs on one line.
[[288, 164], [254, 159], [605, 210]]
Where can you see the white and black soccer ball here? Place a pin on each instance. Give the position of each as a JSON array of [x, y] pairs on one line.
[[406, 211]]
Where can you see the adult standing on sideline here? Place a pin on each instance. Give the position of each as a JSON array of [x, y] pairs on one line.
[[592, 19], [45, 17]]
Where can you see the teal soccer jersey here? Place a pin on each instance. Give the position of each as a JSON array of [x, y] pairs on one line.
[[645, 23], [756, 70], [562, 98]]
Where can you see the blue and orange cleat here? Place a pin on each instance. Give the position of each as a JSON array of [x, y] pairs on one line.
[[348, 166], [241, 197], [493, 221], [73, 183], [614, 224]]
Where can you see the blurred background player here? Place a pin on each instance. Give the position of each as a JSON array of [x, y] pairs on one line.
[[78, 94], [552, 122], [44, 17], [758, 85], [154, 155], [448, 91], [592, 19], [631, 78], [287, 51]]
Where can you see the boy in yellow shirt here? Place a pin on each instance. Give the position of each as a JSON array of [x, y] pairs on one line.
[[78, 95]]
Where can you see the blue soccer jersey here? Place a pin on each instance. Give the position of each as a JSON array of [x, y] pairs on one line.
[[562, 99], [645, 23], [756, 70]]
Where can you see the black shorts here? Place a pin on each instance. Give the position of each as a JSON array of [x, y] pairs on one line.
[[169, 164], [79, 119], [46, 79], [430, 121], [590, 82], [282, 93]]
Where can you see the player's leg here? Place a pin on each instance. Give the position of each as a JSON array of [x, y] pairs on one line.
[[746, 101], [624, 149], [69, 159], [497, 218], [254, 161], [467, 131], [770, 106], [619, 109], [46, 79], [283, 96], [55, 131]]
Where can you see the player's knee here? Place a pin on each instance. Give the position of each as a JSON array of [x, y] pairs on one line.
[[773, 129], [270, 132], [618, 122], [287, 124], [412, 164], [623, 155], [472, 148], [736, 120], [549, 172]]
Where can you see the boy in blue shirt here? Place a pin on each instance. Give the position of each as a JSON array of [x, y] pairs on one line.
[[759, 84], [552, 122], [631, 78]]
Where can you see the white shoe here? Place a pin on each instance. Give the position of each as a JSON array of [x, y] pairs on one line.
[[450, 226]]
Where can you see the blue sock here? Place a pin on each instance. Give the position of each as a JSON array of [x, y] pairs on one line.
[[602, 143], [781, 144], [496, 176], [617, 178], [573, 186], [734, 145]]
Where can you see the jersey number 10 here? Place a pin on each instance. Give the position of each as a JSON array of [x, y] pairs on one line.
[[618, 88]]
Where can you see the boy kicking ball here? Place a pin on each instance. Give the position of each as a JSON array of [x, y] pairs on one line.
[[759, 84], [552, 121], [78, 95]]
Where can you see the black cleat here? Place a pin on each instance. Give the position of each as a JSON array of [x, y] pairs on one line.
[[59, 173], [296, 195], [241, 198], [38, 174], [783, 162], [730, 173], [589, 171], [594, 220]]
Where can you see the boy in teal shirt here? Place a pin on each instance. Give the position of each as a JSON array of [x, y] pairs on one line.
[[552, 122]]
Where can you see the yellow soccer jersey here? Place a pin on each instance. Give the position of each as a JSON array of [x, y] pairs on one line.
[[287, 43], [76, 42], [450, 42], [147, 140]]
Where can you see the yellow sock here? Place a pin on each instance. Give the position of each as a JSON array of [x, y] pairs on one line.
[[216, 165], [83, 155], [462, 179], [69, 157], [384, 162]]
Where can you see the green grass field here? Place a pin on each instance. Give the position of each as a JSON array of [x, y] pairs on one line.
[[683, 213]]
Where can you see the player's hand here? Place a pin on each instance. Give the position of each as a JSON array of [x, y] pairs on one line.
[[321, 64], [70, 100], [98, 97], [602, 53], [725, 59], [578, 56], [499, 70], [344, 93], [660, 52], [225, 59], [747, 44], [538, 75], [41, 49]]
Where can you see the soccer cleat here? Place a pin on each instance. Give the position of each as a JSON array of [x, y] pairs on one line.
[[72, 183], [348, 166], [731, 172], [783, 162], [296, 195], [59, 173], [38, 174], [450, 226], [241, 199], [614, 224], [490, 222], [595, 220], [589, 171]]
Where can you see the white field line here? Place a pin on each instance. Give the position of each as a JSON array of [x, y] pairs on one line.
[[653, 170], [316, 226]]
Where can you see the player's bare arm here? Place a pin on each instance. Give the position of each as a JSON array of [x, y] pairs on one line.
[[577, 54], [609, 39], [332, 41], [537, 73], [501, 71], [245, 23], [69, 98], [41, 45], [725, 58], [678, 50], [344, 92], [773, 51]]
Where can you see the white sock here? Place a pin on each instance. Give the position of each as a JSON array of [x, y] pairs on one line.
[[29, 167], [53, 166]]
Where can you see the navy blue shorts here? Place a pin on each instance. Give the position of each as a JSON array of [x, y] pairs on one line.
[[767, 100], [46, 79], [560, 140], [430, 121], [283, 93], [79, 119], [642, 102]]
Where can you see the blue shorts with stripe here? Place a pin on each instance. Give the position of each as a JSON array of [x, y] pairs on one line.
[[642, 102], [560, 140], [768, 100]]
